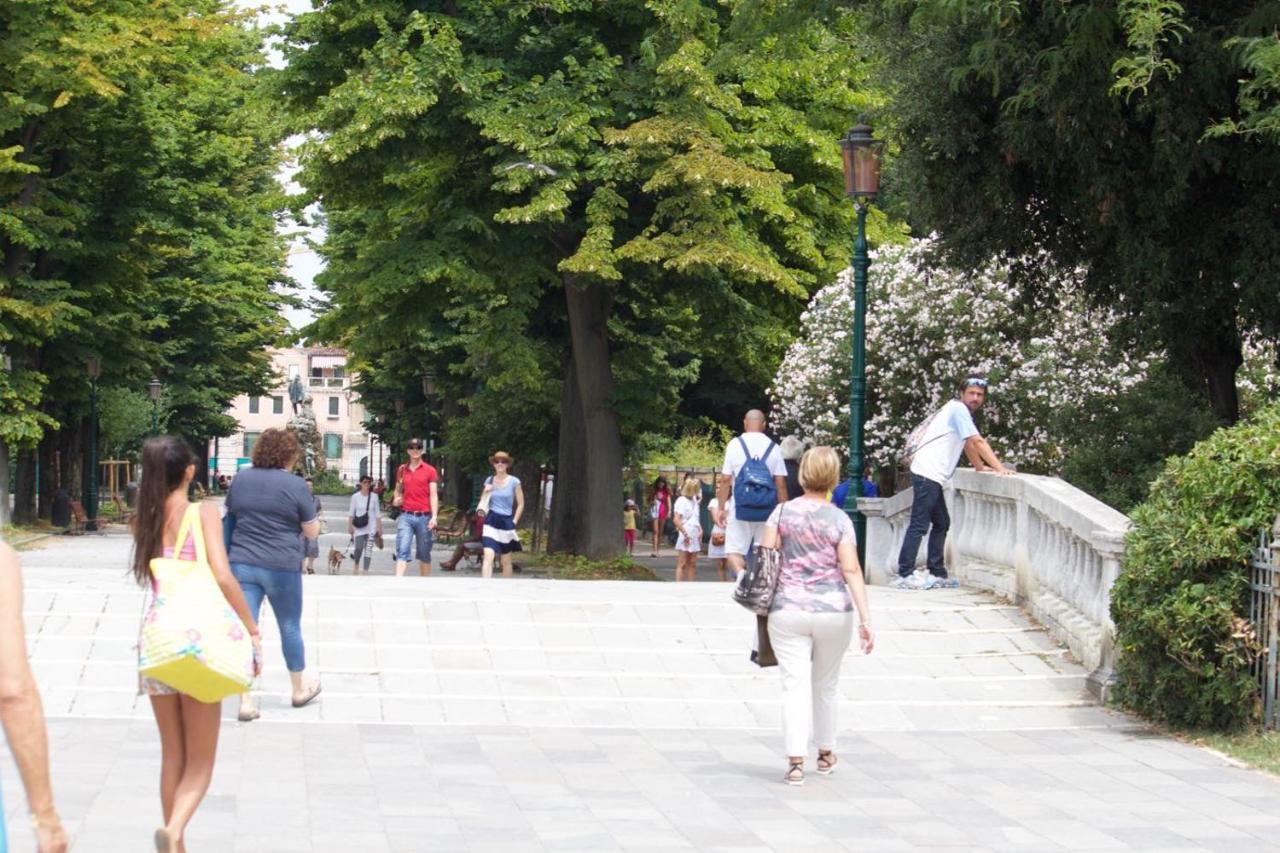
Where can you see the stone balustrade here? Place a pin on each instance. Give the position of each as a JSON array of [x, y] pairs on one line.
[[1036, 540]]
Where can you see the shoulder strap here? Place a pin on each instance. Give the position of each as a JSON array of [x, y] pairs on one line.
[[745, 451], [191, 526], [767, 451], [368, 502]]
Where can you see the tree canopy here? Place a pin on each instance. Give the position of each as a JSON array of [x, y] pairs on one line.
[[653, 184], [1017, 144]]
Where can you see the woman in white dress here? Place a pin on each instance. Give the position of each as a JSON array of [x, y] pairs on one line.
[[715, 548], [689, 526]]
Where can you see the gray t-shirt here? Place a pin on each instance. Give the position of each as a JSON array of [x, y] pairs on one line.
[[270, 506]]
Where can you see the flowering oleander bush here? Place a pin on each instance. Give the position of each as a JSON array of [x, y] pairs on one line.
[[927, 328]]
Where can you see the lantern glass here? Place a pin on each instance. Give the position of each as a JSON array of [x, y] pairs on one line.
[[399, 406], [154, 388], [93, 366], [429, 383], [861, 153]]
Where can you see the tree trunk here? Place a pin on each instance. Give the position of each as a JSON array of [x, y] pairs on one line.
[[46, 454], [568, 506], [4, 483], [24, 487], [1217, 362], [598, 481], [201, 449]]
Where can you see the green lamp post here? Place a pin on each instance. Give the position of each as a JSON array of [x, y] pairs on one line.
[[154, 389], [428, 392], [861, 183], [93, 367]]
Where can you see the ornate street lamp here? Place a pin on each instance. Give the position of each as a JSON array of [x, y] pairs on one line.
[[861, 183], [154, 389], [381, 419], [93, 367]]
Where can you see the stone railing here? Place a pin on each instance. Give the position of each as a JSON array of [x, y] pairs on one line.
[[1036, 540]]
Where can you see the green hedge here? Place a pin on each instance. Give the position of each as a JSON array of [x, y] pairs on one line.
[[1181, 604]]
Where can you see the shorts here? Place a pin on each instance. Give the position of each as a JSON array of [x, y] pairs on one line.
[[629, 536], [739, 536], [411, 530]]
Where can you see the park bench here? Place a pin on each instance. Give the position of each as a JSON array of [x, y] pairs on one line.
[[456, 530], [78, 519], [124, 515]]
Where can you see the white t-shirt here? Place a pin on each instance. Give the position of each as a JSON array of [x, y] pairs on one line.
[[687, 509], [358, 502], [757, 444], [943, 442], [712, 506]]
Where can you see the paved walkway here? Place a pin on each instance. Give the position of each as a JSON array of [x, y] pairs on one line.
[[460, 714]]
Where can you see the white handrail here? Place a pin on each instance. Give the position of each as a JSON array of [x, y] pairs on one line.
[[1037, 540]]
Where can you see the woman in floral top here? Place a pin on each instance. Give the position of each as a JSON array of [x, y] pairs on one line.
[[811, 620]]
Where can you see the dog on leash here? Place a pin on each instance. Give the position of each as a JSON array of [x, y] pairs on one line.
[[335, 560]]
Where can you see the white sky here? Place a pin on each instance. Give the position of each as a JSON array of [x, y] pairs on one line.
[[303, 262]]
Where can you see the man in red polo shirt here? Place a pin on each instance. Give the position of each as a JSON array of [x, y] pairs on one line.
[[416, 496]]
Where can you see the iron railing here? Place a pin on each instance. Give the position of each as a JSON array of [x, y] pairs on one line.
[[1264, 613]]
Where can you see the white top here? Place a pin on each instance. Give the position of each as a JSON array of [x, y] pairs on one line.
[[943, 442], [757, 443], [358, 502], [712, 506], [687, 510]]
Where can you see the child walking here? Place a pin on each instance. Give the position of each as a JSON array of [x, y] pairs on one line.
[[629, 526]]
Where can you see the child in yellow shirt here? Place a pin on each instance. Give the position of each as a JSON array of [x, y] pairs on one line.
[[629, 526]]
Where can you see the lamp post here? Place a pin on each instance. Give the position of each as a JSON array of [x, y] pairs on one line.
[[861, 183], [399, 446], [382, 472], [93, 367], [154, 390], [428, 391]]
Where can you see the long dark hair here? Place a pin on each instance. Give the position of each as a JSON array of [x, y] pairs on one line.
[[164, 466]]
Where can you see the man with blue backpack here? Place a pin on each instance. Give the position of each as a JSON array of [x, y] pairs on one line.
[[757, 476]]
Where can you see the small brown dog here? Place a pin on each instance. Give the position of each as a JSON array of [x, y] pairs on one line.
[[335, 561]]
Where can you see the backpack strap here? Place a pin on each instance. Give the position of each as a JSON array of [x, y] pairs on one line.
[[745, 452], [767, 451]]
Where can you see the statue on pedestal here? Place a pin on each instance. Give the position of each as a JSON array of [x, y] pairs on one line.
[[303, 425]]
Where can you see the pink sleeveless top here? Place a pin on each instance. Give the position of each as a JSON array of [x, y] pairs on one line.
[[188, 553]]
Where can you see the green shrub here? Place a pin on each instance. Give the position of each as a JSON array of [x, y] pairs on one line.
[[328, 482], [1181, 604]]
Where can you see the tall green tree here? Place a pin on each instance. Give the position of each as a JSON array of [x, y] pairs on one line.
[[137, 217], [1017, 144], [579, 199]]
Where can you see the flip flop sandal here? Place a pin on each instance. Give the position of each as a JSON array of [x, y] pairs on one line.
[[311, 694], [248, 716]]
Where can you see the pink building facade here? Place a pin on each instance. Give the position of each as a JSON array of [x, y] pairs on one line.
[[339, 414]]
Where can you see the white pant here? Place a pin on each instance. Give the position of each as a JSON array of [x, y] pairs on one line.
[[809, 648], [739, 536]]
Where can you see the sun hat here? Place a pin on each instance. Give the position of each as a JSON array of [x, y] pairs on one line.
[[501, 456]]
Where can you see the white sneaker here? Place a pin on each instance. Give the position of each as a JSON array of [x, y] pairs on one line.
[[920, 579], [899, 582]]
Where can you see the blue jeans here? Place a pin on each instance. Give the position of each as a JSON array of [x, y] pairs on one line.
[[928, 514], [284, 591], [411, 529]]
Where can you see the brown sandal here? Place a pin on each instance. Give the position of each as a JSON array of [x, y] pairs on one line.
[[795, 774], [827, 762]]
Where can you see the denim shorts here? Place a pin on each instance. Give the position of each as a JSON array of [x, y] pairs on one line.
[[411, 530]]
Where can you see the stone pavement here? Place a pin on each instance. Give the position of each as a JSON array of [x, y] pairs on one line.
[[460, 714]]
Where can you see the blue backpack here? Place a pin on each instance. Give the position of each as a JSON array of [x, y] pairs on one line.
[[754, 492]]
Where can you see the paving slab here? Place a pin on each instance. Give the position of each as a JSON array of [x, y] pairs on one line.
[[471, 715]]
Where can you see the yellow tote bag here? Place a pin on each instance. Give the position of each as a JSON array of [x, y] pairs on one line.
[[191, 638]]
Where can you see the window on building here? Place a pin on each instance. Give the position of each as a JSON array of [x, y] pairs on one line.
[[277, 405], [250, 439], [332, 445], [253, 405], [339, 371], [333, 406]]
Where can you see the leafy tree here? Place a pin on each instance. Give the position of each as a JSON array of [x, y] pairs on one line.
[[1015, 144], [138, 217], [572, 204]]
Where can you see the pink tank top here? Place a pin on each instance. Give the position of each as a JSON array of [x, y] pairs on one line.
[[188, 553]]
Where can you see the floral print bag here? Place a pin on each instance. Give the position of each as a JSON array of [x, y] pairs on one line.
[[191, 638]]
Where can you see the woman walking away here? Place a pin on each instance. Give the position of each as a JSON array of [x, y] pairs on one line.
[[363, 518], [506, 505], [659, 510], [274, 513], [22, 714], [689, 526], [188, 727], [811, 620]]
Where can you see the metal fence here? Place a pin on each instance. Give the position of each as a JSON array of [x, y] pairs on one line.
[[1264, 613]]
